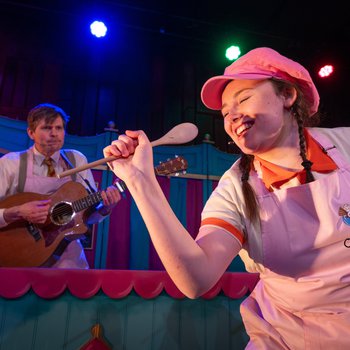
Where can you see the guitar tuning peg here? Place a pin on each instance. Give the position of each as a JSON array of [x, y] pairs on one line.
[[176, 156], [160, 162], [184, 172], [176, 174], [168, 159]]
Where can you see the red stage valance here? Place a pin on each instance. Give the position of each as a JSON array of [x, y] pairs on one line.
[[51, 283]]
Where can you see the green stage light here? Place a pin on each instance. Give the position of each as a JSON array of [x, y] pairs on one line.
[[233, 52]]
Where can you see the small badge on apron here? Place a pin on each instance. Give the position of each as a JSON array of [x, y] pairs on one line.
[[344, 212]]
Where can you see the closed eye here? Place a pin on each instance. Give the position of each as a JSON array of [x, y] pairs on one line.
[[243, 99]]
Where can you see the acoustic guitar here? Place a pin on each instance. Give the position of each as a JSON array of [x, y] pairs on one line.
[[24, 244]]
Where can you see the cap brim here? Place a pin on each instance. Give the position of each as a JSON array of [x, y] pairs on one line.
[[213, 88]]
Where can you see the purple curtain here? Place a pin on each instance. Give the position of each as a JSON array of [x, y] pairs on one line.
[[119, 242]]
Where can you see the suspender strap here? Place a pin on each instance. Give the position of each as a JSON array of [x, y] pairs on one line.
[[69, 154], [68, 157], [22, 175]]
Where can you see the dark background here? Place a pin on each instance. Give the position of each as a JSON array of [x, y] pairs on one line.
[[148, 71]]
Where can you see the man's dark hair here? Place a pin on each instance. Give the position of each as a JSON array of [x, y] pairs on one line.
[[46, 111]]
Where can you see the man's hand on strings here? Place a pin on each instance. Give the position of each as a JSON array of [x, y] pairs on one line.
[[35, 212]]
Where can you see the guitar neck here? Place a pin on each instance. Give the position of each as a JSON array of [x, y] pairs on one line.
[[165, 168], [87, 202]]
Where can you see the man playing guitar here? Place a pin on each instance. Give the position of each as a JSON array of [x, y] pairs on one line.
[[34, 171]]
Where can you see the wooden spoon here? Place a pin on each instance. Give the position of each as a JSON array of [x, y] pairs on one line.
[[181, 133]]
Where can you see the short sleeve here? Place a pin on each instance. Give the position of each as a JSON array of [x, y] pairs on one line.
[[225, 207]]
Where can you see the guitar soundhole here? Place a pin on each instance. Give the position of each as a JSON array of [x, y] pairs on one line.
[[62, 213]]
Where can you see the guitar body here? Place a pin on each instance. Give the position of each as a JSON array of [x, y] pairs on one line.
[[27, 245]]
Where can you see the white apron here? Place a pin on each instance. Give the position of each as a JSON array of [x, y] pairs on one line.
[[302, 300], [73, 256]]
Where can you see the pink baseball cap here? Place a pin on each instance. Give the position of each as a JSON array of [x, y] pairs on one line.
[[261, 63]]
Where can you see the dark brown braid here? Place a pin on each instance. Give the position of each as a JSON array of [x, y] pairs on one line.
[[300, 111], [306, 163], [245, 165]]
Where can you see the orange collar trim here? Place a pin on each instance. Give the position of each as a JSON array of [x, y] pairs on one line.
[[274, 175]]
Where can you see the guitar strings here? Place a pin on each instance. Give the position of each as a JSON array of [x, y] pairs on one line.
[[78, 204]]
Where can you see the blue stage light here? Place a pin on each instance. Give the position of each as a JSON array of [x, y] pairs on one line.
[[98, 29]]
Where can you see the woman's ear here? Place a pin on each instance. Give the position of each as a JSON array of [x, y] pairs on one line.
[[289, 95]]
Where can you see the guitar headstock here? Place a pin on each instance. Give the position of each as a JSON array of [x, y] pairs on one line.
[[172, 166]]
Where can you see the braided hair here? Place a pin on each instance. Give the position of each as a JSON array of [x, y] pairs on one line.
[[300, 111]]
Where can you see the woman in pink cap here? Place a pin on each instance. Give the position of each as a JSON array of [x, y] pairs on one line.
[[284, 206]]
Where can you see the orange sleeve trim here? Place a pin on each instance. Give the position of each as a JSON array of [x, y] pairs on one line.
[[226, 226]]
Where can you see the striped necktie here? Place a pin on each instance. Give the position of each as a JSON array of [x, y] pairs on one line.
[[50, 168]]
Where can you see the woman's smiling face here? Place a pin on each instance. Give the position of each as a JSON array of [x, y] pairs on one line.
[[255, 116]]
